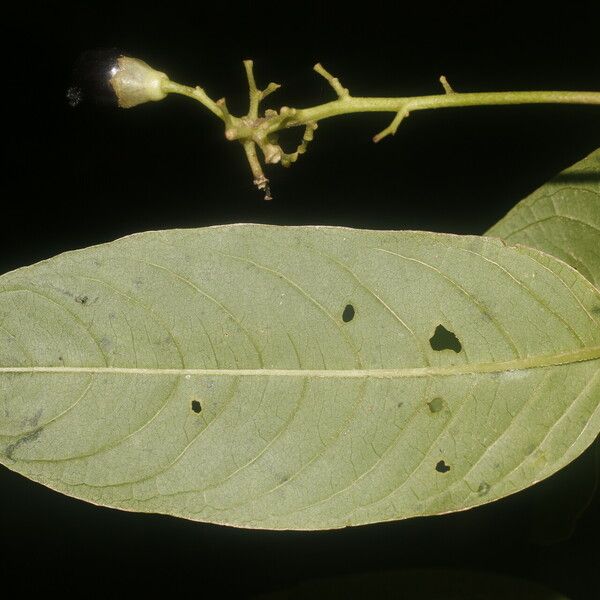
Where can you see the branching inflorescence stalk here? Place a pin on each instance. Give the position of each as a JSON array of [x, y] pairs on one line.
[[255, 131]]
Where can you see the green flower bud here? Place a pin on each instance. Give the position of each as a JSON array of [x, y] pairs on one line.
[[136, 82]]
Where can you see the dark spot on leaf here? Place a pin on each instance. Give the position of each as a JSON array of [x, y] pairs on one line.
[[32, 421], [443, 339], [400, 404], [166, 340], [83, 300], [284, 479], [196, 407], [436, 405], [30, 437], [348, 313], [442, 467], [483, 488], [106, 343], [596, 309]]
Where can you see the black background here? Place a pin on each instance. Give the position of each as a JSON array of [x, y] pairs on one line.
[[76, 177]]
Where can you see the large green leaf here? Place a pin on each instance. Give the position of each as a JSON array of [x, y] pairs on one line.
[[305, 377], [561, 218]]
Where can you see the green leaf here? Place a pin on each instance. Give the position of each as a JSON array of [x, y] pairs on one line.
[[561, 218], [297, 377]]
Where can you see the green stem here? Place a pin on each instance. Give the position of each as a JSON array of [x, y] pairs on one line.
[[253, 130], [351, 104], [197, 93], [253, 93], [260, 181]]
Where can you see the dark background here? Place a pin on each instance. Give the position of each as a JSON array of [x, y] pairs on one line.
[[76, 177]]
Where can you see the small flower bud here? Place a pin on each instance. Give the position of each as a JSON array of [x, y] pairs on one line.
[[107, 76]]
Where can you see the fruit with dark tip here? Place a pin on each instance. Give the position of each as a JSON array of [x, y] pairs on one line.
[[109, 77]]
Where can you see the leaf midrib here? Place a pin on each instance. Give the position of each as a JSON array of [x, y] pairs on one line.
[[518, 364]]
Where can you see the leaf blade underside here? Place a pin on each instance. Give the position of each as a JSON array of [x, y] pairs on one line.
[[561, 218], [211, 374]]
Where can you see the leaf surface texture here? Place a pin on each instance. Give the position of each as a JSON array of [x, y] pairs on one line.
[[561, 218], [218, 374]]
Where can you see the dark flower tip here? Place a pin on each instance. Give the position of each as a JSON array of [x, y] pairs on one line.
[[91, 78], [109, 77]]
